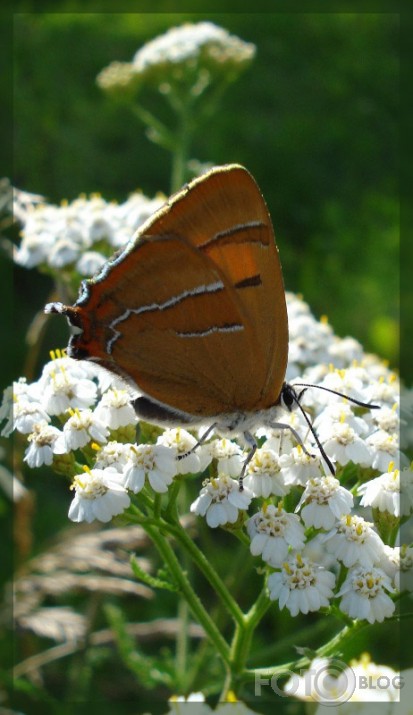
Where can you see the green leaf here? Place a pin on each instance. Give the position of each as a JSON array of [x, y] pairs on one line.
[[151, 581]]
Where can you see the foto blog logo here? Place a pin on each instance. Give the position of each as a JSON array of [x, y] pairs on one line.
[[330, 682]]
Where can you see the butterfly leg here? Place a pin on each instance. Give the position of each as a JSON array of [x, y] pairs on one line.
[[282, 426], [199, 442], [252, 442], [277, 425]]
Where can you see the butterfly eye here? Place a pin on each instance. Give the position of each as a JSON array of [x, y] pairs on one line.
[[288, 398]]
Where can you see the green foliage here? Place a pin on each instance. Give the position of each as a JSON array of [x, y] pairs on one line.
[[144, 669], [151, 581]]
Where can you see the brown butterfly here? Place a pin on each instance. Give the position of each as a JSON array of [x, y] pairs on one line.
[[192, 312]]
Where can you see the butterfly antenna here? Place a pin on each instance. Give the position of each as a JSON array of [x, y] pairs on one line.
[[311, 428], [340, 394]]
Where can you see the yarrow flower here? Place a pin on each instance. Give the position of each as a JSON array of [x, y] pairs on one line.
[[344, 351], [189, 460], [398, 565], [298, 467], [353, 541], [344, 445], [155, 463], [339, 413], [193, 54], [81, 428], [64, 389], [364, 594], [391, 564], [316, 551], [42, 442], [21, 202], [384, 448], [386, 418], [60, 236], [309, 337], [25, 416], [384, 390], [347, 381], [115, 409], [272, 531], [98, 495], [325, 501], [90, 262], [282, 441], [112, 454], [301, 585], [200, 709], [229, 456], [221, 500], [264, 476], [383, 493]]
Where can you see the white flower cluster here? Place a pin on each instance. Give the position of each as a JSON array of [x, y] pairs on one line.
[[81, 234], [307, 524], [194, 53], [186, 43], [93, 414]]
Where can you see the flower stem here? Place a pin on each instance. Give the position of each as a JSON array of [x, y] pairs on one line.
[[181, 657], [334, 646], [209, 572], [241, 642], [157, 132], [194, 603]]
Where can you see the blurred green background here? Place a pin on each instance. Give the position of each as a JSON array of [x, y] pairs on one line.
[[314, 119]]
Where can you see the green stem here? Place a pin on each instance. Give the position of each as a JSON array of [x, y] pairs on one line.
[[194, 603], [209, 572], [157, 131], [171, 513], [306, 634], [240, 647], [336, 642], [329, 649], [169, 523], [182, 643], [157, 505], [258, 610], [145, 500], [241, 642]]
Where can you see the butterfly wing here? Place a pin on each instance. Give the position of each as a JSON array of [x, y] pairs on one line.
[[224, 215], [187, 310]]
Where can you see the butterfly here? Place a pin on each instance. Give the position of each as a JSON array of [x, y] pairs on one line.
[[192, 312]]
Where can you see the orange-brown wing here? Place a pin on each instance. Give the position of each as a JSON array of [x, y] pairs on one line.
[[189, 310], [225, 216]]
